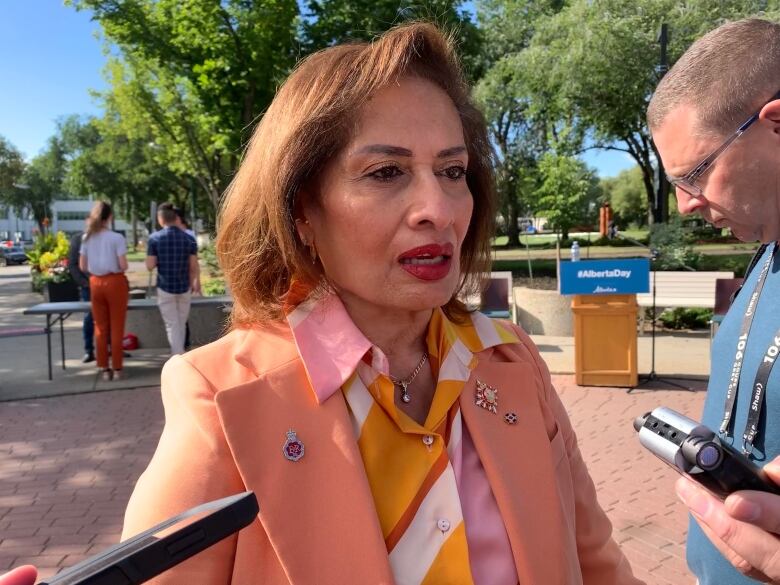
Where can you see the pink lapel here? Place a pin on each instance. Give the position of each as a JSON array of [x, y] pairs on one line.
[[518, 461], [318, 512]]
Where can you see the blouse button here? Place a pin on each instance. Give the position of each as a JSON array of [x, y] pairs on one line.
[[427, 440], [443, 525]]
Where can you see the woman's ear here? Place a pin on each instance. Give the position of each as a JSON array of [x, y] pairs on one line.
[[305, 233]]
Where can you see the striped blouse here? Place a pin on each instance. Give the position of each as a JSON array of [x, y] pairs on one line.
[[439, 518]]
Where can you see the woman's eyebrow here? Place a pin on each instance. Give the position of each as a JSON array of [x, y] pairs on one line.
[[385, 149], [405, 152]]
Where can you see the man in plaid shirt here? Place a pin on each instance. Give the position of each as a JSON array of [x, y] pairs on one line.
[[175, 255]]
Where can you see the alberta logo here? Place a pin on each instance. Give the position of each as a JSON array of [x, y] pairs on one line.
[[603, 274]]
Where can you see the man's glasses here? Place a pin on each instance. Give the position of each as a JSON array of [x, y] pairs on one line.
[[688, 181]]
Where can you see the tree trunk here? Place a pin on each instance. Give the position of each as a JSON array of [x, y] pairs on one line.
[[134, 222], [512, 229]]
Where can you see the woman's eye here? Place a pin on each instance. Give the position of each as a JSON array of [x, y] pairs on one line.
[[454, 173], [387, 173]]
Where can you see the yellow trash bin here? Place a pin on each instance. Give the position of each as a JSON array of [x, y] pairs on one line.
[[605, 340]]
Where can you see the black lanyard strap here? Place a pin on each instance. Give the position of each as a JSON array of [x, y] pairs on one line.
[[736, 369], [759, 392]]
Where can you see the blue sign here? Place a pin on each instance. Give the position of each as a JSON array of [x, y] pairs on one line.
[[604, 277]]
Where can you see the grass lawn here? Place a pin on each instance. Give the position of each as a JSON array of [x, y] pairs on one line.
[[136, 256]]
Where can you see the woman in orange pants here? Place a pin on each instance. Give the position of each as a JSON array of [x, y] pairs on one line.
[[104, 257]]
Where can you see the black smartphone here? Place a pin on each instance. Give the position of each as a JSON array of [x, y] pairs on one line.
[[148, 554], [694, 450]]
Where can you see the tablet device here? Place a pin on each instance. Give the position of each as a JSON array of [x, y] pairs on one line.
[[148, 554]]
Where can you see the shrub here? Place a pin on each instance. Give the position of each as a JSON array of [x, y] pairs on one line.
[[674, 246], [49, 260], [682, 318]]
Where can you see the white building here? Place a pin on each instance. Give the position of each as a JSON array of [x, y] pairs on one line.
[[15, 227], [67, 215]]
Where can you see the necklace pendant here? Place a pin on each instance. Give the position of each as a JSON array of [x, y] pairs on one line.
[[405, 395]]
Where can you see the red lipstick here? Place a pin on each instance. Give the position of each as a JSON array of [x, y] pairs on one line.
[[429, 262]]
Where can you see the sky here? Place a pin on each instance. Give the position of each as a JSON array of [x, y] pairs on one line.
[[50, 59]]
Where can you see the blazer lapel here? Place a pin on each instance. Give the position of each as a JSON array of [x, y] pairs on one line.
[[518, 462], [318, 512]]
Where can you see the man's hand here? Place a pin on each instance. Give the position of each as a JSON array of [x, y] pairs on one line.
[[745, 528], [25, 575], [196, 290]]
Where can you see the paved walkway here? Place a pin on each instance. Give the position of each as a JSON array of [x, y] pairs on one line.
[[68, 464], [69, 457]]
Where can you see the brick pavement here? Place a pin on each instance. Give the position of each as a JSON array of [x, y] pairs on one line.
[[67, 466]]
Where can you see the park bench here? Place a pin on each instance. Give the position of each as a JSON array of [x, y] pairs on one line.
[[681, 289]]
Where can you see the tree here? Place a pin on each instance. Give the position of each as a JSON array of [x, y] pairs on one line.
[[327, 22], [626, 195], [11, 167], [519, 133], [41, 183], [567, 194], [106, 163], [195, 75], [595, 63]]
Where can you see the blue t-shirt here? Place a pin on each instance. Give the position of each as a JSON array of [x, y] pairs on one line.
[[703, 558], [173, 248]]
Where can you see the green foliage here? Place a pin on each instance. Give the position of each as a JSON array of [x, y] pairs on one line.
[[592, 66], [208, 254], [674, 246], [683, 318], [736, 263], [106, 163], [193, 76], [626, 194], [43, 181], [11, 168], [567, 190], [214, 287], [328, 22], [49, 260]]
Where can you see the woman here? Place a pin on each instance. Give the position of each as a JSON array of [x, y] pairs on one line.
[[389, 434], [104, 257]]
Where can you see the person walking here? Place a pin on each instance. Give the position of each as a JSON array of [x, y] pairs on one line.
[[175, 255], [82, 280], [181, 223], [103, 255], [715, 119]]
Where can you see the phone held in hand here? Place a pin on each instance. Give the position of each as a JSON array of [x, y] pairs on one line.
[[697, 452], [156, 550]]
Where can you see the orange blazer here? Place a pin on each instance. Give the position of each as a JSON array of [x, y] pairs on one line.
[[228, 406]]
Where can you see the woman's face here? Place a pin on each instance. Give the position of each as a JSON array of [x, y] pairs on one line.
[[393, 206]]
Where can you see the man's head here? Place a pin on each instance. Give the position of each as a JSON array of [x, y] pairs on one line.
[[166, 214], [181, 220], [725, 78]]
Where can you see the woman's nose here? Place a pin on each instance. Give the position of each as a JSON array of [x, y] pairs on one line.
[[431, 204]]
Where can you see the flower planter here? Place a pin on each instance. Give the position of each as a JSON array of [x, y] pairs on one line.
[[59, 292]]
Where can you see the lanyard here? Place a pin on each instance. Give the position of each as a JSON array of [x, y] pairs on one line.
[[759, 385]]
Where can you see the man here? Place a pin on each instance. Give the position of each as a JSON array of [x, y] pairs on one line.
[[181, 223], [82, 280], [175, 255], [715, 119]]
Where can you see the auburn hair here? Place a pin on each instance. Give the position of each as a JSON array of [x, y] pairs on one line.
[[308, 123], [98, 216]]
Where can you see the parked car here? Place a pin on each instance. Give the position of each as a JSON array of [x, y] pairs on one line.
[[13, 255]]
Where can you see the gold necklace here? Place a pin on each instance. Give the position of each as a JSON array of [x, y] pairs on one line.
[[404, 384]]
